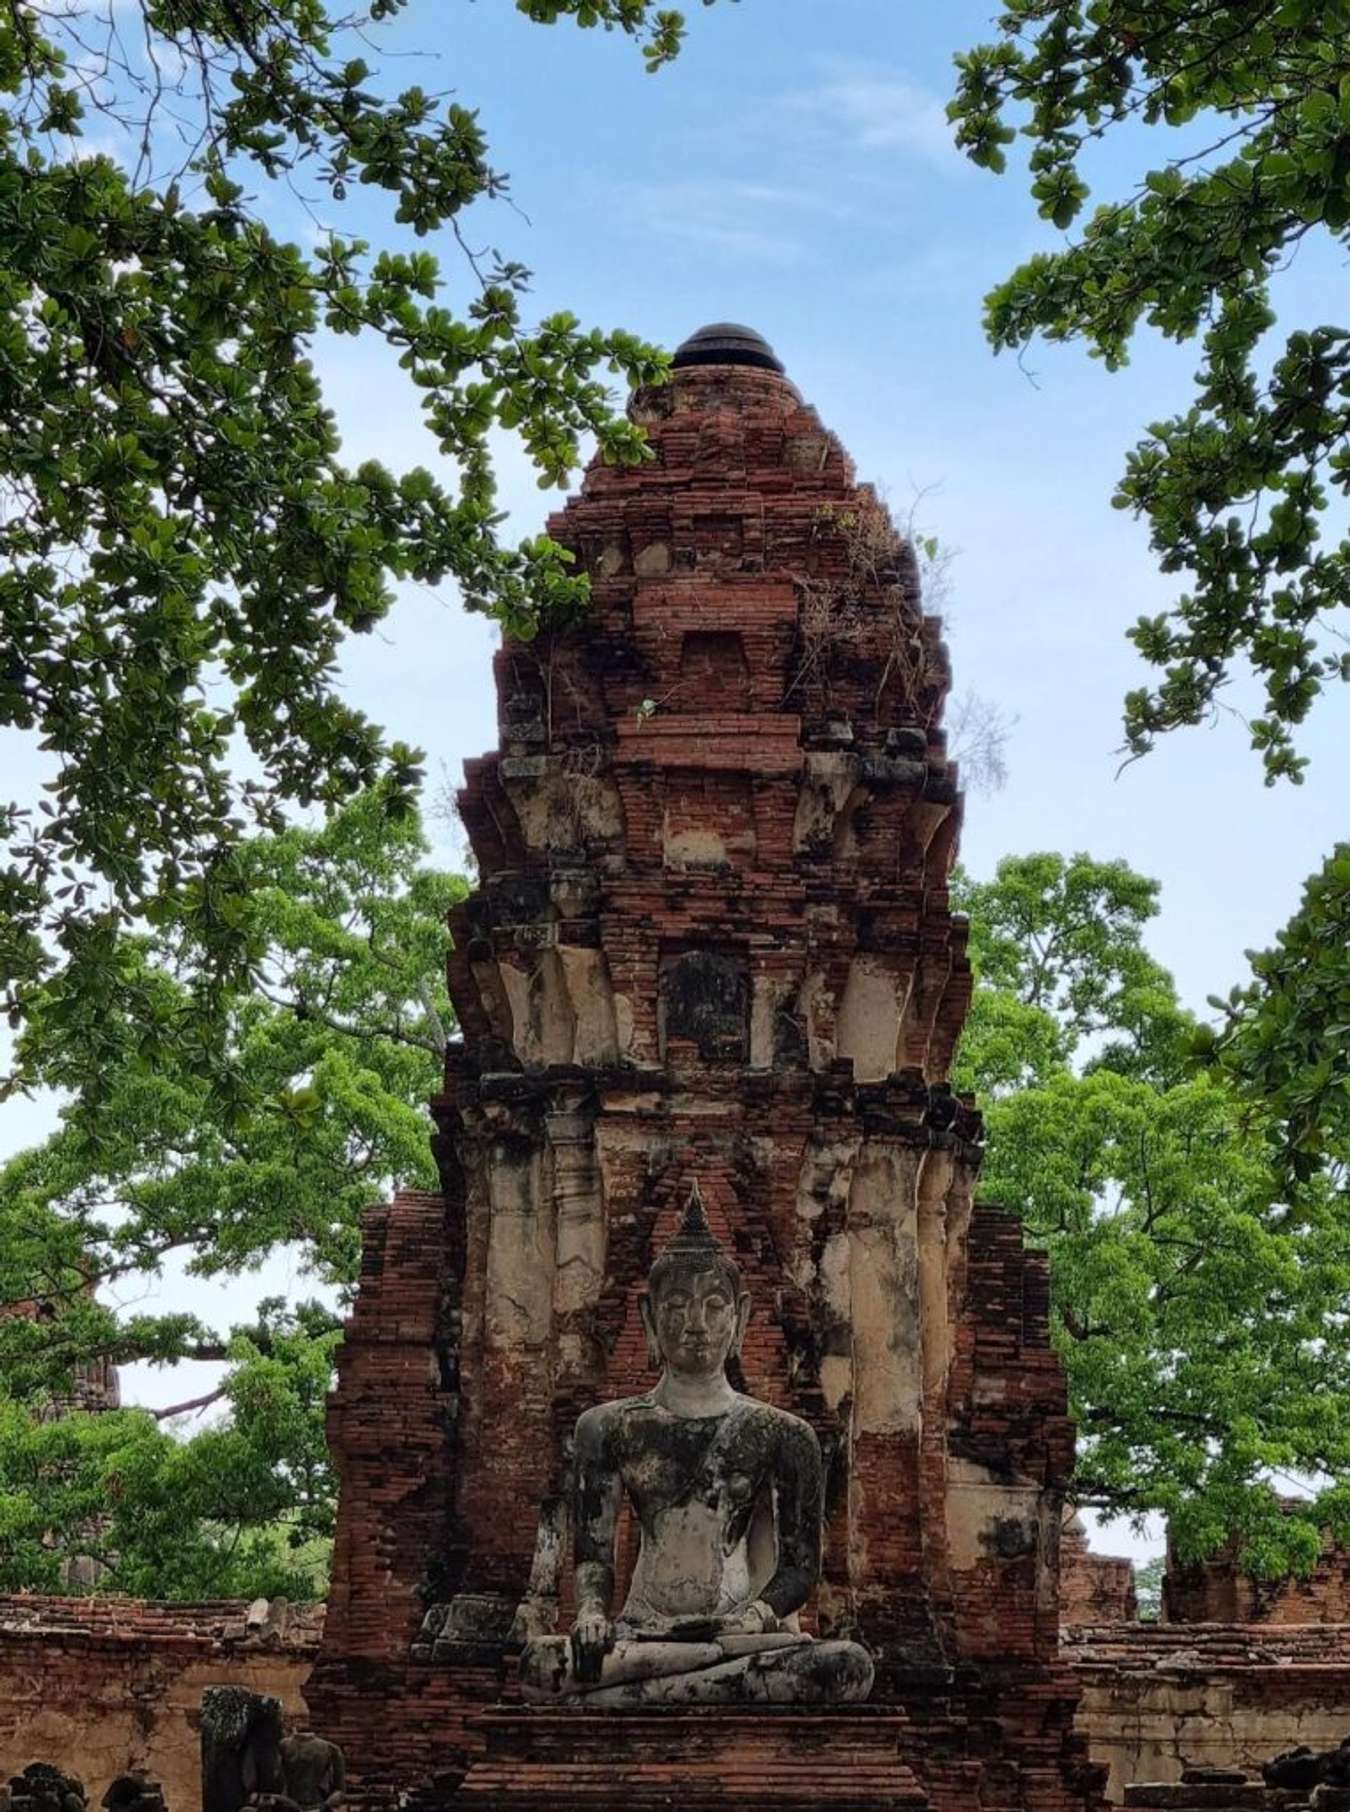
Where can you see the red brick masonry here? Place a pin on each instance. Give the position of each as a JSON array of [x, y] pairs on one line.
[[1162, 1698], [712, 940], [103, 1685], [1094, 1588], [1219, 1591]]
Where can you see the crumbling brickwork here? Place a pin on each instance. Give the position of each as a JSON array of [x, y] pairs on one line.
[[1219, 1590], [1094, 1589], [712, 942], [1159, 1699], [103, 1686]]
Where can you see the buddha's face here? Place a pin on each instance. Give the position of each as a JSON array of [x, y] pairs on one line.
[[695, 1320]]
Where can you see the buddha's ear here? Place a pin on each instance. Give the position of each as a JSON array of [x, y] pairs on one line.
[[742, 1321], [649, 1329]]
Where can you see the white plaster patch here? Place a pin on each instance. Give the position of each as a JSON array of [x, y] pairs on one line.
[[883, 1290], [869, 1019], [977, 1504]]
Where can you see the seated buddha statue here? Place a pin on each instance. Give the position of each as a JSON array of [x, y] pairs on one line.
[[727, 1493]]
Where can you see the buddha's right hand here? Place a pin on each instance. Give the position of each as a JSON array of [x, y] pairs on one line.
[[592, 1639]]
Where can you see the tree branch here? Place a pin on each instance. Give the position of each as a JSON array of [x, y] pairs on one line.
[[192, 1403]]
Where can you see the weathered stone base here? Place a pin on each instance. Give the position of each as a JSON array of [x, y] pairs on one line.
[[1224, 1790], [975, 1738], [105, 1686], [1163, 1700], [848, 1759]]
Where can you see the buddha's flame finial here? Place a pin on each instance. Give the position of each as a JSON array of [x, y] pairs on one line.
[[694, 1238]]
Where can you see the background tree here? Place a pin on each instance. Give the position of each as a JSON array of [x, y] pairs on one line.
[[1202, 1320], [182, 550], [1285, 1036], [240, 1509], [1236, 489], [1148, 1580], [341, 1030], [1243, 489]]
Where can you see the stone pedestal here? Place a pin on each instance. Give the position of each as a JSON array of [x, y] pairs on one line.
[[1206, 1796], [848, 1759]]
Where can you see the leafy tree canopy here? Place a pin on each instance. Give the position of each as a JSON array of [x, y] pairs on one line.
[[340, 1036], [242, 1508], [1286, 1041], [1202, 1322], [341, 1033], [1148, 1583], [1244, 489], [1239, 488], [182, 548], [1058, 947]]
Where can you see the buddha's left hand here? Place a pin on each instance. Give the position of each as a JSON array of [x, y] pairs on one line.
[[756, 1619]]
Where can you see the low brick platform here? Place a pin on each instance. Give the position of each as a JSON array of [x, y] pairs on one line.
[[102, 1686], [1163, 1701], [847, 1758]]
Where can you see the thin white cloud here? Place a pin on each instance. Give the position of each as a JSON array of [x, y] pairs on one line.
[[748, 220], [873, 109]]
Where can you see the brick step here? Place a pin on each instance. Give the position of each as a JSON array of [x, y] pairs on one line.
[[709, 1758]]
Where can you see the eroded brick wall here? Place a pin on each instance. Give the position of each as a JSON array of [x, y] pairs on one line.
[[1158, 1698], [1094, 1589], [1219, 1591], [102, 1685]]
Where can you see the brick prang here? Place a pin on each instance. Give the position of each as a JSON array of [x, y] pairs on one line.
[[712, 941]]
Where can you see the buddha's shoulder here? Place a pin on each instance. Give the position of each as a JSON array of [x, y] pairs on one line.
[[780, 1425], [603, 1418]]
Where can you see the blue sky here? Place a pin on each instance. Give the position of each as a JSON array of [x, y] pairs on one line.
[[794, 170]]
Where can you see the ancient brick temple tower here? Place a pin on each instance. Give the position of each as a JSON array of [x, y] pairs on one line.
[[711, 942]]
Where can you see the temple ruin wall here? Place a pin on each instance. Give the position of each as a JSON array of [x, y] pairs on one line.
[[103, 1685], [1094, 1589], [1160, 1698], [1220, 1591]]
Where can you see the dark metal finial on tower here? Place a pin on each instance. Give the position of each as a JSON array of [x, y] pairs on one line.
[[727, 343]]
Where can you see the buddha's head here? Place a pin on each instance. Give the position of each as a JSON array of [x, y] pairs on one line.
[[696, 1307]]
